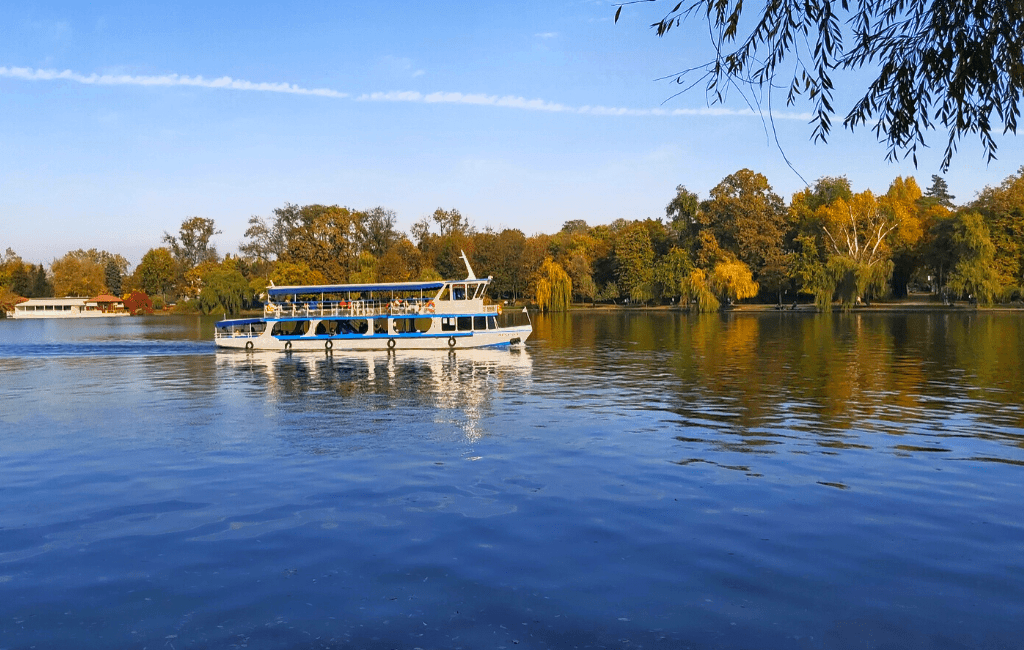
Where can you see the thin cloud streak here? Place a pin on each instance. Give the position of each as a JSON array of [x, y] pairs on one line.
[[28, 74], [475, 99]]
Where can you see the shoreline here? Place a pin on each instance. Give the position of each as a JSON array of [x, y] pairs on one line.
[[806, 308]]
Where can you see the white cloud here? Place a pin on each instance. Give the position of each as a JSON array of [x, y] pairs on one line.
[[30, 74], [546, 35], [475, 99]]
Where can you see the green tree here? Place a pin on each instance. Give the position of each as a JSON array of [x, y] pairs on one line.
[[41, 286], [194, 244], [683, 212], [379, 231], [973, 273], [21, 280], [634, 256], [224, 289], [1003, 210], [939, 192], [671, 272], [958, 63], [112, 278], [156, 272], [697, 290]]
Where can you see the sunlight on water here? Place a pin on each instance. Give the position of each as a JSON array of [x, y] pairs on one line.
[[627, 480]]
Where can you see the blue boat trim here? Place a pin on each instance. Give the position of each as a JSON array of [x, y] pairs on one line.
[[311, 290], [240, 321]]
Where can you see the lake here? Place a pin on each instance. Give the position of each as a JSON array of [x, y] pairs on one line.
[[627, 480]]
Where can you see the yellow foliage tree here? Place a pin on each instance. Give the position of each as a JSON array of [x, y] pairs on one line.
[[732, 280], [554, 287], [77, 275]]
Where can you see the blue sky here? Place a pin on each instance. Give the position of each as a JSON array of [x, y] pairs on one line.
[[120, 120]]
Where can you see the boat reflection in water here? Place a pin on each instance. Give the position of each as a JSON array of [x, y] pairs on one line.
[[341, 395]]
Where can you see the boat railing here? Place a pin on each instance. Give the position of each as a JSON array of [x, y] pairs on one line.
[[235, 333], [346, 308]]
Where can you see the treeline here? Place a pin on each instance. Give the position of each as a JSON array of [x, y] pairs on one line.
[[743, 242]]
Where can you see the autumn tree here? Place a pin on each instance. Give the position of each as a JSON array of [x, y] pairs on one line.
[[747, 218], [328, 240], [857, 240], [903, 204], [78, 273], [289, 273], [731, 280], [554, 287], [402, 262]]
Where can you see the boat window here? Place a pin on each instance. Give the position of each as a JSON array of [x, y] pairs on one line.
[[409, 325], [290, 328], [448, 324], [465, 323], [458, 292], [327, 328], [479, 322], [492, 322], [380, 326]]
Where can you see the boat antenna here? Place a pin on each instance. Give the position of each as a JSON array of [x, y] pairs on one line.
[[469, 269]]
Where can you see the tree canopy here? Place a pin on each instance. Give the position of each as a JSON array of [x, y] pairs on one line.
[[956, 64]]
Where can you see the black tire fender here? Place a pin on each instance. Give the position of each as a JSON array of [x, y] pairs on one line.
[[288, 345], [328, 344], [248, 345], [391, 344], [451, 341]]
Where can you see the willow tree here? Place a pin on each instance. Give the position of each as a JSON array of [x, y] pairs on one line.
[[856, 239], [732, 280], [973, 273], [697, 290], [554, 287], [957, 64]]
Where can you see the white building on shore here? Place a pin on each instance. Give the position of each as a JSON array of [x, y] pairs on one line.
[[99, 307]]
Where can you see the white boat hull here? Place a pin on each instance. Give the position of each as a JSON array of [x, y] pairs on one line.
[[503, 336]]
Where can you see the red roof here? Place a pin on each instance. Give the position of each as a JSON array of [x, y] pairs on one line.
[[105, 297]]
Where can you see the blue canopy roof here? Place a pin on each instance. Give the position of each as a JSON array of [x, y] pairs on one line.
[[239, 321], [358, 288]]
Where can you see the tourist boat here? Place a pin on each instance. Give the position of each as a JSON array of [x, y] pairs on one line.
[[441, 315], [98, 307]]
